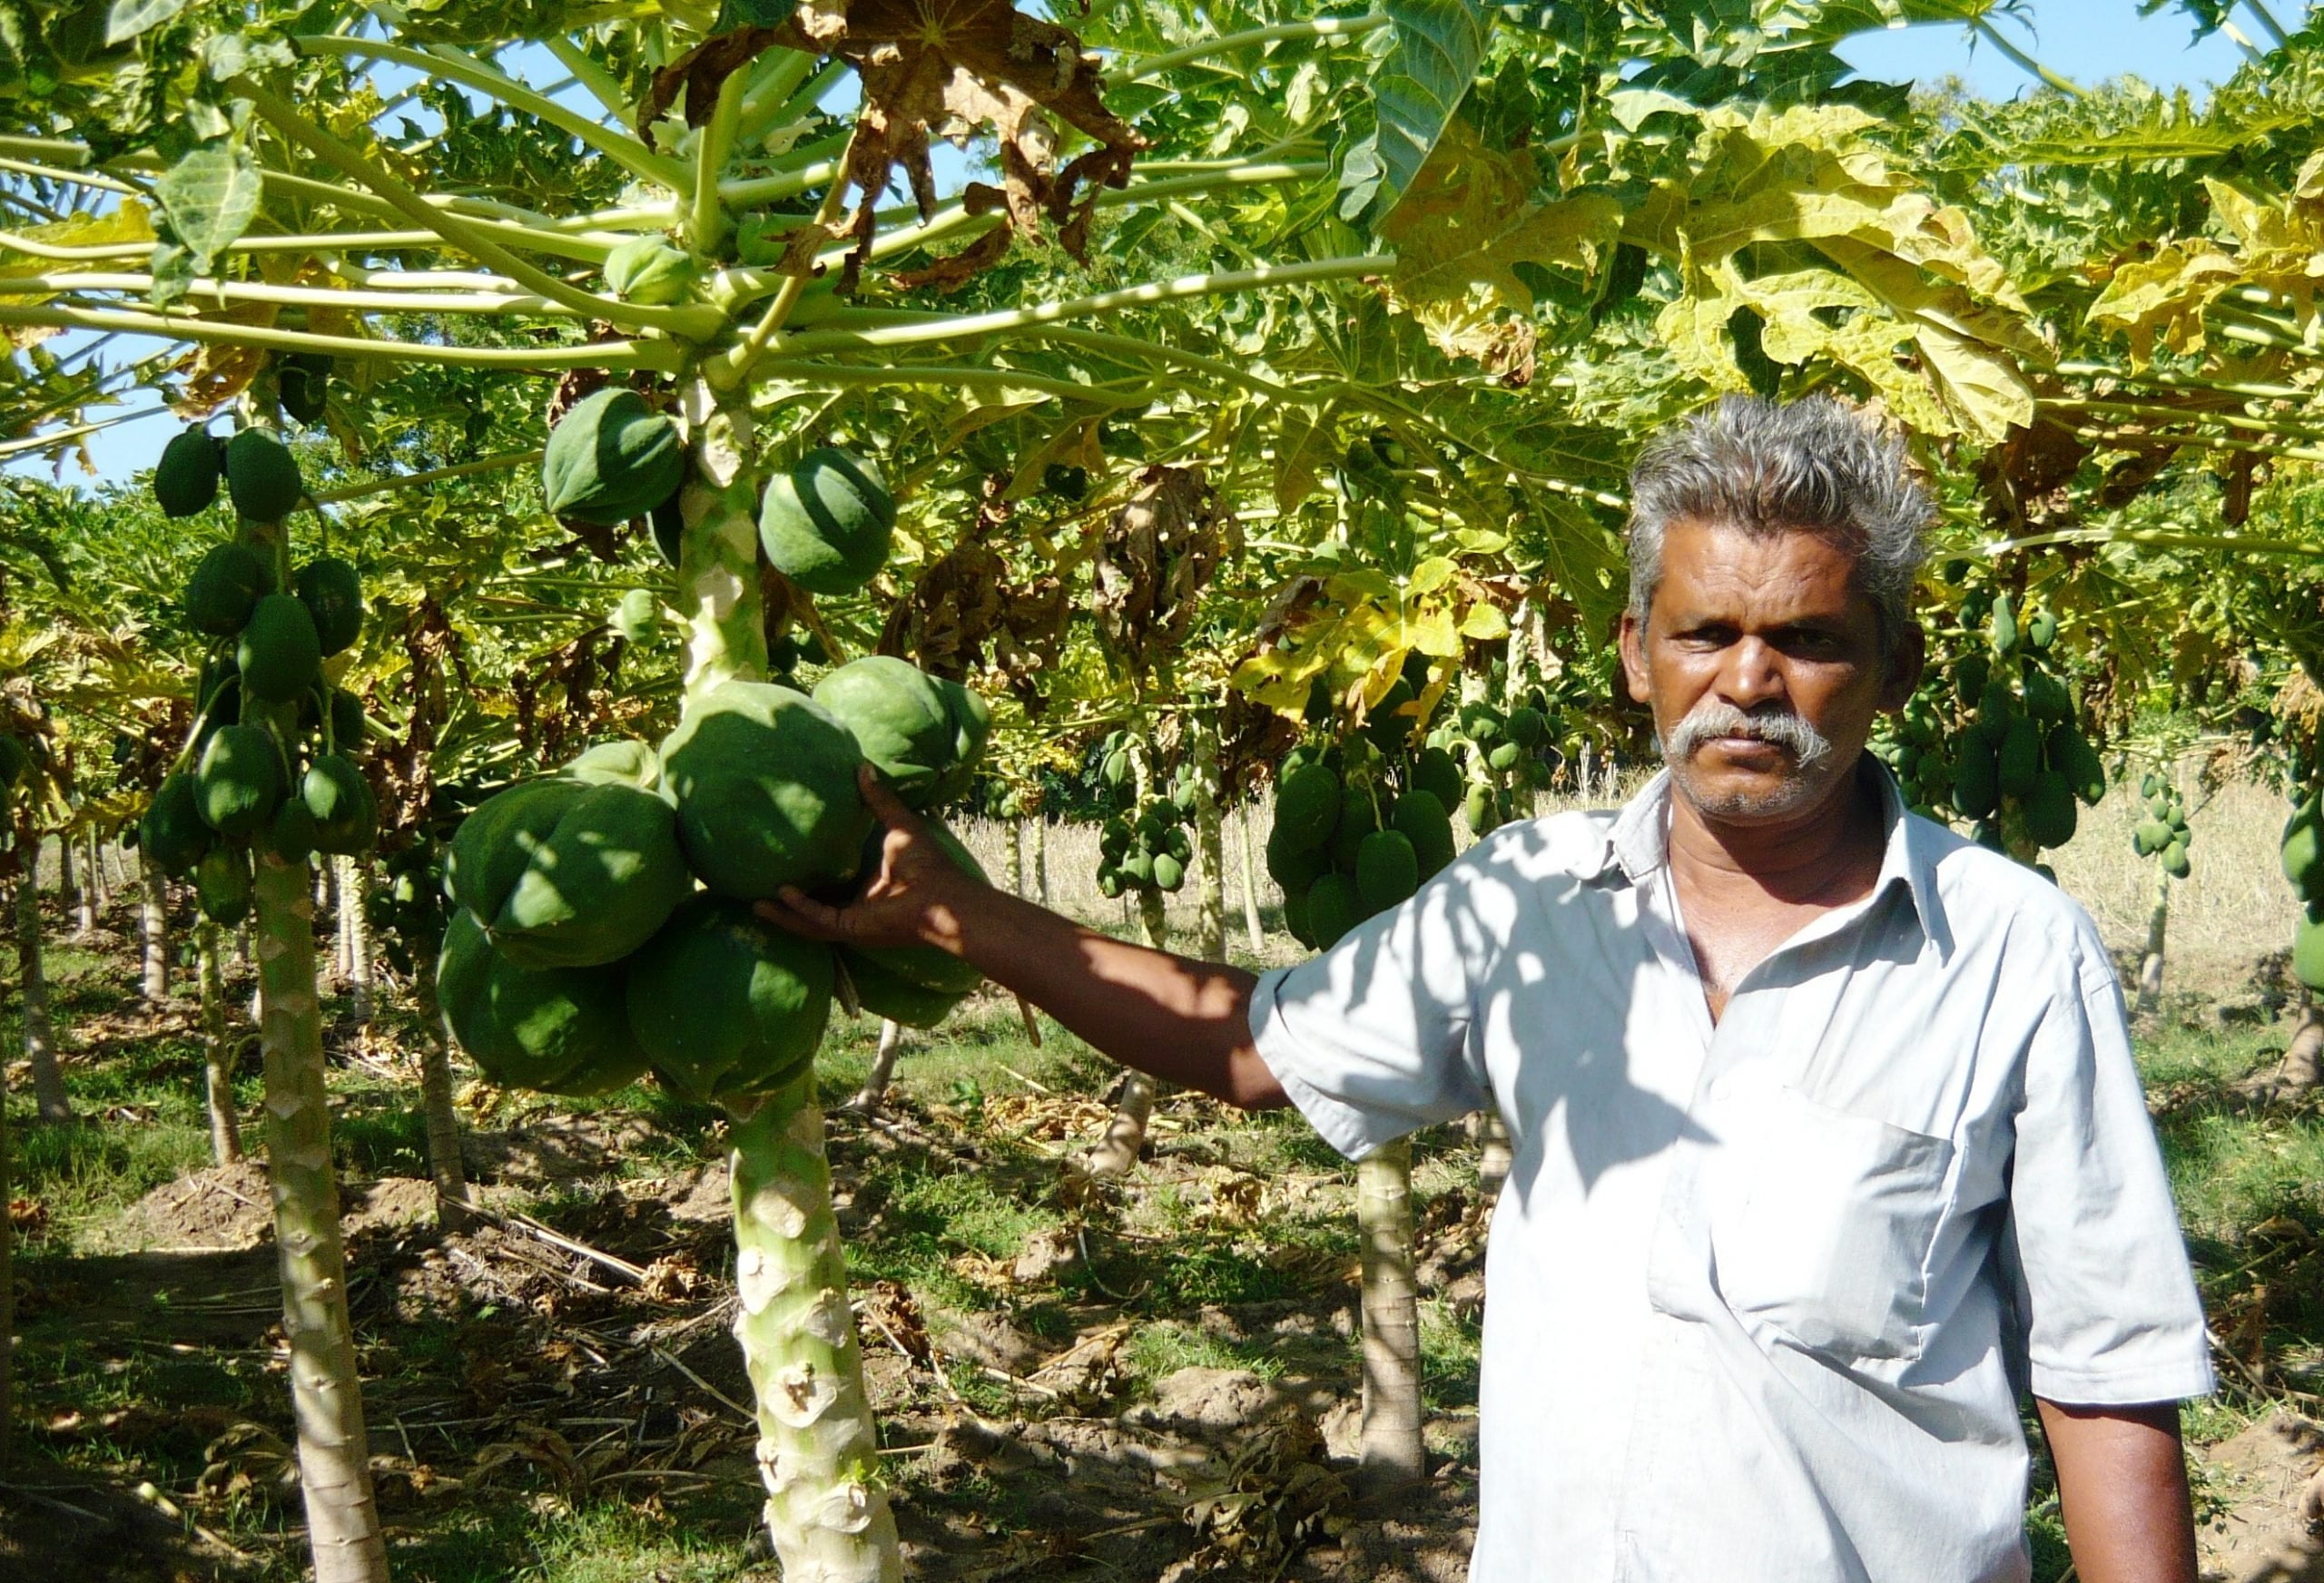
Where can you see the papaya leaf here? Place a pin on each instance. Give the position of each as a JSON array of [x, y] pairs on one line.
[[131, 222], [128, 18], [1419, 81], [210, 196]]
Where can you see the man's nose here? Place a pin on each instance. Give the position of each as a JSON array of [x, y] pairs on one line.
[[1750, 676]]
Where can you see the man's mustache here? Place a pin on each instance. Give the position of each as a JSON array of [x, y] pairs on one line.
[[1714, 718]]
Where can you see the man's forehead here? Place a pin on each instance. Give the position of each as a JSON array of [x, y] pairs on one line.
[[1713, 559]]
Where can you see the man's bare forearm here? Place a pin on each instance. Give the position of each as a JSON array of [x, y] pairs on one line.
[[2123, 1486], [1184, 1020]]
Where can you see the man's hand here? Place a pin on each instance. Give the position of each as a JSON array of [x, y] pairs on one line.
[[2123, 1486], [919, 897]]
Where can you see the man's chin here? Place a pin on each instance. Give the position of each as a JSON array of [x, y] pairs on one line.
[[1734, 798]]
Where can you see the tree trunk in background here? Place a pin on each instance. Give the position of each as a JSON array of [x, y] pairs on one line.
[[355, 928], [1013, 848], [8, 1276], [72, 893], [153, 927], [446, 1165], [96, 894], [2151, 964], [1251, 925], [867, 1098], [1125, 1137], [217, 1051], [50, 1102], [1041, 857], [1494, 1156], [1393, 1456], [326, 1398], [818, 1453], [1211, 927]]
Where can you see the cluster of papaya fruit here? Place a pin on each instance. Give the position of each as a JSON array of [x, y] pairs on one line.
[[1509, 756], [826, 524], [1143, 846], [2303, 862], [1363, 822], [604, 922], [266, 767], [2163, 833]]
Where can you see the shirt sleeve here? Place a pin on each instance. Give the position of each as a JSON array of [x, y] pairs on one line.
[[2104, 1293], [1372, 1040]]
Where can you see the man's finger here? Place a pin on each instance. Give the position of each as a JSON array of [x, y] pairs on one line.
[[800, 914], [885, 802]]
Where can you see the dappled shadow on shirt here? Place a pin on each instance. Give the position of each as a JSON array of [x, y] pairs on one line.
[[1510, 983]]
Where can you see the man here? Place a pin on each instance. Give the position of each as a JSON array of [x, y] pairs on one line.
[[1828, 1142]]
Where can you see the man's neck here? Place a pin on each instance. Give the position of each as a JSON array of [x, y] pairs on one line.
[[1827, 855]]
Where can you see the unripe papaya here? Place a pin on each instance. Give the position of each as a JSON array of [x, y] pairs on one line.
[[1421, 816], [261, 476], [2051, 812], [173, 835], [2070, 755], [238, 780], [291, 834], [1169, 872], [278, 654], [1434, 771], [2041, 631], [333, 594], [2003, 627], [902, 719], [764, 781], [649, 270], [222, 884], [1997, 707], [637, 617], [225, 588], [1976, 778], [623, 761], [565, 874], [1387, 870], [1478, 808], [303, 385], [345, 814], [2303, 850], [827, 523], [2174, 859], [562, 1031], [1295, 868], [1294, 915], [1528, 727], [1970, 674], [1358, 819], [611, 458], [1503, 757], [669, 524], [185, 480], [2307, 953], [1306, 806], [1334, 908], [1388, 730], [881, 993], [347, 729], [2151, 837], [2046, 697], [2019, 758]]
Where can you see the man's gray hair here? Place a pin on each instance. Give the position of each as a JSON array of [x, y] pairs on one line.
[[1812, 467]]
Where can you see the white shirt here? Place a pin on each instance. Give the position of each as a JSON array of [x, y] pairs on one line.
[[1763, 1296]]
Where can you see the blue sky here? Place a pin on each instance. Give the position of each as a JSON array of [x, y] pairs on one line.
[[2088, 41]]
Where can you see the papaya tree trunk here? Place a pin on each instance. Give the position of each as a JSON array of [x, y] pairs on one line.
[[1392, 1454], [1013, 853], [1494, 1156], [868, 1098], [217, 1050], [95, 894], [818, 1449], [1125, 1135], [1210, 926], [355, 895], [334, 1455], [72, 888], [2158, 920], [1251, 925], [446, 1166], [7, 1284], [1041, 857], [50, 1102], [153, 928], [826, 1511]]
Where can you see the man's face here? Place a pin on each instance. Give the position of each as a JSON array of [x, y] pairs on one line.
[[1762, 661]]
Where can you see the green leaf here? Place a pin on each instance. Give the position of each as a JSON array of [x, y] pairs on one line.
[[210, 195], [128, 18], [1429, 66]]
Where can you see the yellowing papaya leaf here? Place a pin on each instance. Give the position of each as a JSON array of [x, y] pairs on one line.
[[1432, 632], [1429, 575], [2164, 297], [133, 222], [1483, 622]]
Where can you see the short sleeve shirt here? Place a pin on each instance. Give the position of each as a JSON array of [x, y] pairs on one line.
[[1763, 1295]]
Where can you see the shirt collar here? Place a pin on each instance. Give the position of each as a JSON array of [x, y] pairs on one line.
[[1639, 842]]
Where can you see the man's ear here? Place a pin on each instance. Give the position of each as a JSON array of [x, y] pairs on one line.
[[1907, 658], [1633, 649]]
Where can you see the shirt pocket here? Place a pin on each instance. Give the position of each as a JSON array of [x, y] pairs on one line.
[[1822, 1223]]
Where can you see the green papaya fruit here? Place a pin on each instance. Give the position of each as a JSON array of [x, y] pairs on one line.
[[1977, 778], [2175, 861], [1477, 807], [1482, 722], [1306, 806], [1187, 798], [2159, 804], [565, 874], [1294, 915], [669, 524], [278, 653], [1388, 730], [1437, 773], [764, 781], [2051, 812], [1528, 727], [222, 884], [185, 480], [1358, 818], [637, 617], [2042, 631], [2151, 837], [261, 476], [1109, 881], [2069, 753], [827, 523], [1334, 908], [1420, 815], [623, 761], [2046, 697], [1997, 707], [902, 720], [560, 1030], [2019, 758], [1138, 869], [2303, 850], [1503, 757], [173, 835], [2003, 627], [649, 270], [1295, 868], [1971, 671], [1113, 839], [1387, 870], [1179, 845], [2307, 953], [1169, 872], [291, 834], [971, 732], [303, 385], [225, 587], [348, 727], [238, 780], [881, 993], [345, 814], [333, 594], [1115, 768], [610, 458]]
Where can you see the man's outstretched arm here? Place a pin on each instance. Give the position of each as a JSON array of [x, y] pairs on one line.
[[1184, 1020], [2123, 1486]]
